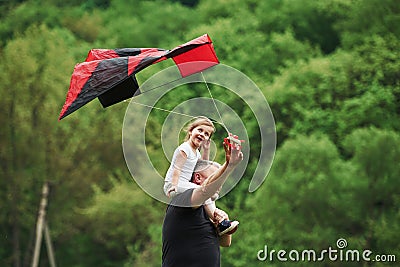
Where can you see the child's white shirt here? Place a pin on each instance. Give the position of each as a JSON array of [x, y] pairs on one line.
[[188, 167]]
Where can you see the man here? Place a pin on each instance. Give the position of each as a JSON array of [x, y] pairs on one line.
[[189, 237]]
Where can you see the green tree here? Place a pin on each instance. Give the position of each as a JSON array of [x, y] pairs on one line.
[[361, 19], [298, 205], [30, 85], [145, 24], [338, 93], [311, 22], [375, 157], [330, 178], [121, 220], [308, 202], [22, 16], [35, 72]]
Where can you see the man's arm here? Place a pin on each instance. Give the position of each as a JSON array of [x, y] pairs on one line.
[[233, 156]]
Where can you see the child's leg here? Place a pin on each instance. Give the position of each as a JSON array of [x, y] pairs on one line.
[[223, 227], [182, 187], [210, 207], [167, 186]]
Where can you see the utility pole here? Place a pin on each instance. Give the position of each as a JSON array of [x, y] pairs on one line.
[[41, 226]]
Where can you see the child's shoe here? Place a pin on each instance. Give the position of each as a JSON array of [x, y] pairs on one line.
[[227, 227]]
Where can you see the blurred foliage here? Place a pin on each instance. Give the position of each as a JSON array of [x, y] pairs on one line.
[[329, 70]]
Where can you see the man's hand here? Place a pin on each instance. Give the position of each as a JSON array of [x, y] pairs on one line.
[[233, 156], [219, 216]]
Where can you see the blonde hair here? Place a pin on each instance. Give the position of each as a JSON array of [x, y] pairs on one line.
[[197, 122]]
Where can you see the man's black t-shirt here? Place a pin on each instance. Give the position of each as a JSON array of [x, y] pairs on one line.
[[189, 237]]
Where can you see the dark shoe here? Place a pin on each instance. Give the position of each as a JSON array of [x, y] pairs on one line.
[[227, 227]]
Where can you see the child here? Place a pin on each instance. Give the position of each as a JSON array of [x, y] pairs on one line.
[[179, 174]]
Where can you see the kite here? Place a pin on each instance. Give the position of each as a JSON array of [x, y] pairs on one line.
[[109, 74]]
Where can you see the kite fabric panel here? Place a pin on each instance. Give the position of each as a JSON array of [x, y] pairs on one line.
[[109, 74]]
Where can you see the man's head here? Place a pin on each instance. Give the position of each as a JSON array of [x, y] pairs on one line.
[[203, 170]]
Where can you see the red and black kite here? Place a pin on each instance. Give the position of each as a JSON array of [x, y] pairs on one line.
[[109, 74]]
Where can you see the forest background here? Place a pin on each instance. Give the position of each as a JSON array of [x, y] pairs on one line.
[[329, 70]]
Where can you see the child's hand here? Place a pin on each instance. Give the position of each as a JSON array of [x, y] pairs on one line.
[[172, 191], [206, 145]]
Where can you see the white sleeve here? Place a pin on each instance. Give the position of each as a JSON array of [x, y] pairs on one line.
[[185, 147]]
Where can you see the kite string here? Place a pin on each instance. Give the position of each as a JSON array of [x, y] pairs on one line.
[[159, 86], [162, 109], [221, 122], [169, 111], [215, 104]]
